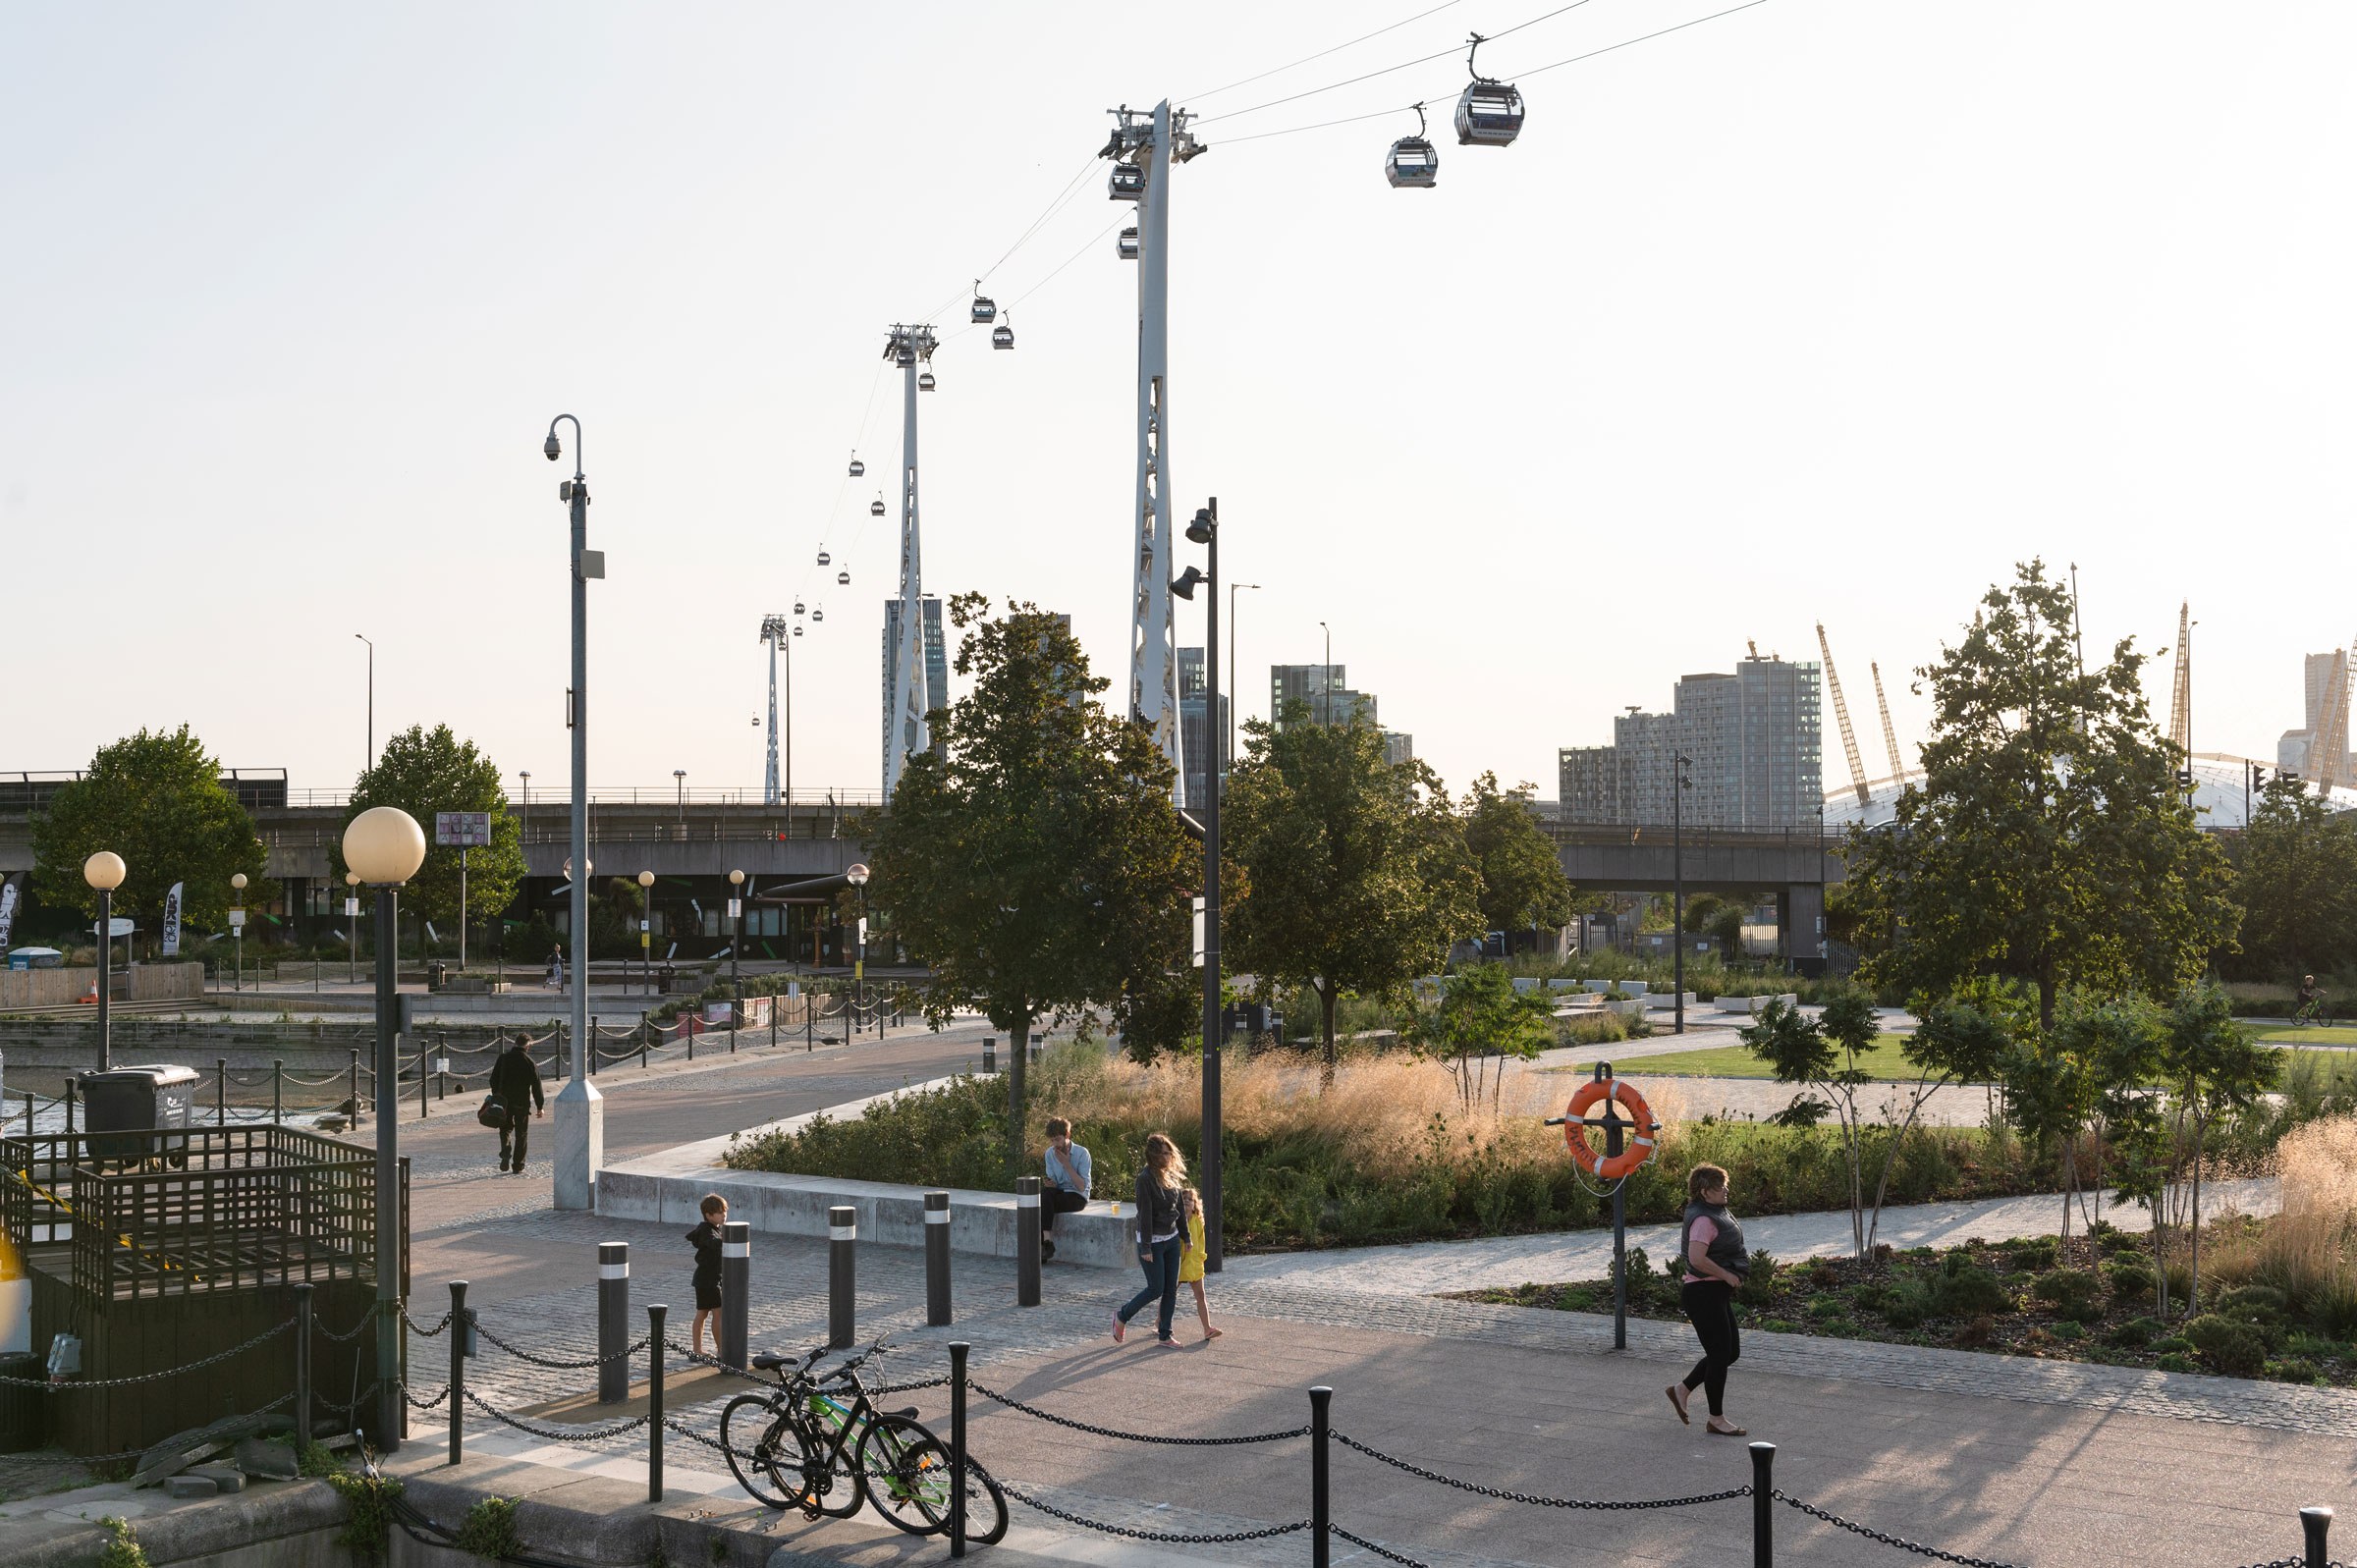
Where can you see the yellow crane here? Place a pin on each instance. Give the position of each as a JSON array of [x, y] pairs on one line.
[[1898, 769], [1849, 736], [2329, 748], [2180, 697]]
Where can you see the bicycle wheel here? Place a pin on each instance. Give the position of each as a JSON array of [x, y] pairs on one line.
[[906, 1472], [765, 1452], [985, 1506]]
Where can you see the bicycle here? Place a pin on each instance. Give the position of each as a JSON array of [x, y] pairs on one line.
[[803, 1434]]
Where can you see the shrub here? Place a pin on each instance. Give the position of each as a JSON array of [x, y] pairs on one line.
[[1975, 1332], [2293, 1369], [1759, 1285], [2227, 1347], [1907, 1304], [2172, 1345], [2315, 1347], [2135, 1333], [2174, 1363], [2033, 1252], [1967, 1290], [2066, 1287], [2070, 1333], [2129, 1280]]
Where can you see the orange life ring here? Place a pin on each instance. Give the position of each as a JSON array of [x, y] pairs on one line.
[[1640, 1147]]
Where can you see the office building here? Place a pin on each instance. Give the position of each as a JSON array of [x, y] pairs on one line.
[[2293, 746], [1752, 741], [936, 671], [1322, 689], [1203, 728]]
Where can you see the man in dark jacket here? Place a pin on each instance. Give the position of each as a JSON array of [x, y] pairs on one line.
[[516, 1085]]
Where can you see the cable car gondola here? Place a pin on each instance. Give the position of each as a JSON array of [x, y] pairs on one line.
[[797, 631], [985, 311], [1002, 335], [924, 382], [1489, 112], [858, 469], [1413, 160], [1127, 245], [820, 614], [797, 606], [844, 577], [1128, 183], [875, 508]]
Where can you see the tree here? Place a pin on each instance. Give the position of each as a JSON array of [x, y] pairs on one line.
[[1033, 861], [2048, 840], [2298, 883], [1961, 1039], [1359, 876], [1479, 1015], [1822, 1054], [2060, 1081], [425, 772], [154, 799], [1522, 883], [2211, 1067]]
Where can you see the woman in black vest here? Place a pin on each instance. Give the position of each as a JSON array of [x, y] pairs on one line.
[[1712, 1248]]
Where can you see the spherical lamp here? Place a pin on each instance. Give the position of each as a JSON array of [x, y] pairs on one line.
[[735, 879], [646, 879], [238, 880], [104, 871], [352, 879], [385, 846], [856, 873]]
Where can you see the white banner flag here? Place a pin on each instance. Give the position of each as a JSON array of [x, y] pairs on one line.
[[12, 890], [172, 922]]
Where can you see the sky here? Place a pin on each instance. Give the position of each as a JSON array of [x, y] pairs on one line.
[[1824, 310]]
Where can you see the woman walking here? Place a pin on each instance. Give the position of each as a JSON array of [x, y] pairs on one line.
[[1712, 1248], [1160, 1182]]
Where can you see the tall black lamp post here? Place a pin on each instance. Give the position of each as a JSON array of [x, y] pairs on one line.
[[385, 846], [1678, 883], [1205, 530], [857, 875], [105, 872], [646, 933], [236, 926], [735, 936]]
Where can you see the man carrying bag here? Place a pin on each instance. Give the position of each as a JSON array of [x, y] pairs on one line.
[[516, 1094]]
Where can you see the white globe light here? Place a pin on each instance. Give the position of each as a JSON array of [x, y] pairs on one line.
[[856, 873], [646, 879], [352, 879], [238, 880], [104, 870], [737, 878], [384, 845]]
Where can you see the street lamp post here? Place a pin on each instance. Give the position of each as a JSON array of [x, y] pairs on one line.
[[580, 1108], [105, 872], [735, 930], [385, 846], [1325, 683], [1205, 530], [857, 875], [371, 698], [236, 927], [646, 932], [352, 923], [1678, 786], [678, 782]]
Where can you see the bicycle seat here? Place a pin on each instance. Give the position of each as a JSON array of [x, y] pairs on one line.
[[910, 1413], [769, 1363]]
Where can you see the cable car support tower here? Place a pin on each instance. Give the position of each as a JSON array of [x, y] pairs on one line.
[[1144, 148], [773, 632], [909, 347]]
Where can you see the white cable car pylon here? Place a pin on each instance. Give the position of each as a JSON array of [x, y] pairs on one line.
[[907, 347], [1145, 148]]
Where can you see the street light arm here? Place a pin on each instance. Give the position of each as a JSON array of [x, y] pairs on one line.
[[577, 441]]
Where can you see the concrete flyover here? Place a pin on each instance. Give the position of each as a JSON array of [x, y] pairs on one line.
[[1796, 864]]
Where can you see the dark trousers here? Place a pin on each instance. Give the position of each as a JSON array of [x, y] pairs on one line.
[[1711, 1307], [520, 1130], [1161, 1265], [1056, 1201]]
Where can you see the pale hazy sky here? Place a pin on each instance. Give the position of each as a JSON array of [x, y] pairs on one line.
[[1828, 309]]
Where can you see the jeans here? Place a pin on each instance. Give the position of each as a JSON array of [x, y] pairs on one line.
[[1711, 1307], [1161, 1265]]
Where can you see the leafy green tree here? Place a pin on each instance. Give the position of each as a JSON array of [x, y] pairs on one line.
[[1822, 1054], [1479, 1015], [1961, 1039], [2060, 1082], [1522, 883], [1359, 876], [154, 799], [1033, 861], [2048, 840], [2298, 885], [425, 772], [2211, 1067]]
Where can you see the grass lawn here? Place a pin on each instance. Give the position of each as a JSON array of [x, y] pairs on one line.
[[2281, 1033], [1883, 1063]]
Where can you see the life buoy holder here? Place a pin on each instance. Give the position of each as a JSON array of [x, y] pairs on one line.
[[1640, 1147]]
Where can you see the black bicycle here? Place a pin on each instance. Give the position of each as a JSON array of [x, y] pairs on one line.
[[820, 1444]]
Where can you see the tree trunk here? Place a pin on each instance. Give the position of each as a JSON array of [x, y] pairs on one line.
[[1882, 1188], [1019, 1051], [1326, 1007], [2193, 1281], [2160, 1262]]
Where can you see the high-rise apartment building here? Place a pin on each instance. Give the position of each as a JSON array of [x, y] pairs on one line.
[[1202, 726], [2292, 748], [936, 671], [1752, 739], [1325, 697]]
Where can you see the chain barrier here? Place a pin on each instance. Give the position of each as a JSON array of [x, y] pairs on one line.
[[1129, 1437], [417, 1403], [1158, 1537], [357, 1402], [557, 1434], [1856, 1529], [1503, 1496], [1365, 1544], [624, 1354], [264, 1338], [354, 1332], [440, 1324]]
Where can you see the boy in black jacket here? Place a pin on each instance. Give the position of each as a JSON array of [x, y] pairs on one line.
[[705, 1239]]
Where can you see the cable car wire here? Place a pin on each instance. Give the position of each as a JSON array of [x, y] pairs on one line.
[[1197, 97], [1448, 53]]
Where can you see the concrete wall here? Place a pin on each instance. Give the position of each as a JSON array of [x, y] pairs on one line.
[[62, 988]]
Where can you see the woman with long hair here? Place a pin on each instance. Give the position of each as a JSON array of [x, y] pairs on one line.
[[1711, 1246], [1161, 1228]]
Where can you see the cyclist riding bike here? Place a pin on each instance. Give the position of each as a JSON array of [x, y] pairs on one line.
[[2311, 1002]]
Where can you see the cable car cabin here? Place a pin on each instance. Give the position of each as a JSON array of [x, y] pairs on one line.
[[844, 577], [858, 469], [905, 358], [1412, 162], [797, 631], [924, 383], [1128, 243], [1128, 183], [985, 310], [820, 614], [797, 606], [1002, 337], [875, 508], [824, 558], [1489, 114]]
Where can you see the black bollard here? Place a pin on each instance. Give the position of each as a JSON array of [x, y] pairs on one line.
[[1321, 1516], [612, 1321], [654, 1402], [1027, 1241], [936, 1258], [957, 1353], [735, 1290], [1763, 1505], [2314, 1521], [458, 1364], [990, 1057], [302, 1366], [843, 1242]]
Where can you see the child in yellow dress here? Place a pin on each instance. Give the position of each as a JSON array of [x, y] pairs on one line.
[[1191, 1257]]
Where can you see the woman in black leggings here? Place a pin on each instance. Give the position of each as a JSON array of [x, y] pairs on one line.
[[1712, 1248]]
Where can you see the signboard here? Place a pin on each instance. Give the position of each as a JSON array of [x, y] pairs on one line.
[[463, 830], [172, 921], [12, 892], [1198, 933]]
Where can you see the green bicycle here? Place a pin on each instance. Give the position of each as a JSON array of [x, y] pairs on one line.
[[820, 1444]]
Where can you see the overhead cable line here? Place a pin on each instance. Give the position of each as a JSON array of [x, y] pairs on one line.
[[1061, 200], [1197, 97]]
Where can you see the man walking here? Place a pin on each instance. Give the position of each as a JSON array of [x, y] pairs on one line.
[[516, 1085], [1067, 1167]]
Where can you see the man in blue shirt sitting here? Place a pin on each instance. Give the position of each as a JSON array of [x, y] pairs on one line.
[[1065, 1191]]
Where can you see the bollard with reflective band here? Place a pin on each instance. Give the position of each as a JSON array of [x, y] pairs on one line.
[[735, 1290], [1027, 1241], [843, 1241], [654, 1402], [990, 1057], [936, 1258], [1763, 1505], [458, 1366], [613, 1321]]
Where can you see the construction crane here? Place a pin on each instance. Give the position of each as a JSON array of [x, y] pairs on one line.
[[2180, 696], [2328, 748], [1898, 769], [1849, 736]]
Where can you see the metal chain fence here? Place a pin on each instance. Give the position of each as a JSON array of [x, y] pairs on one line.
[[1127, 1437], [1503, 1496], [1158, 1537], [264, 1338]]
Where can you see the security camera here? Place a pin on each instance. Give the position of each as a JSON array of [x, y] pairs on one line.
[[550, 447]]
